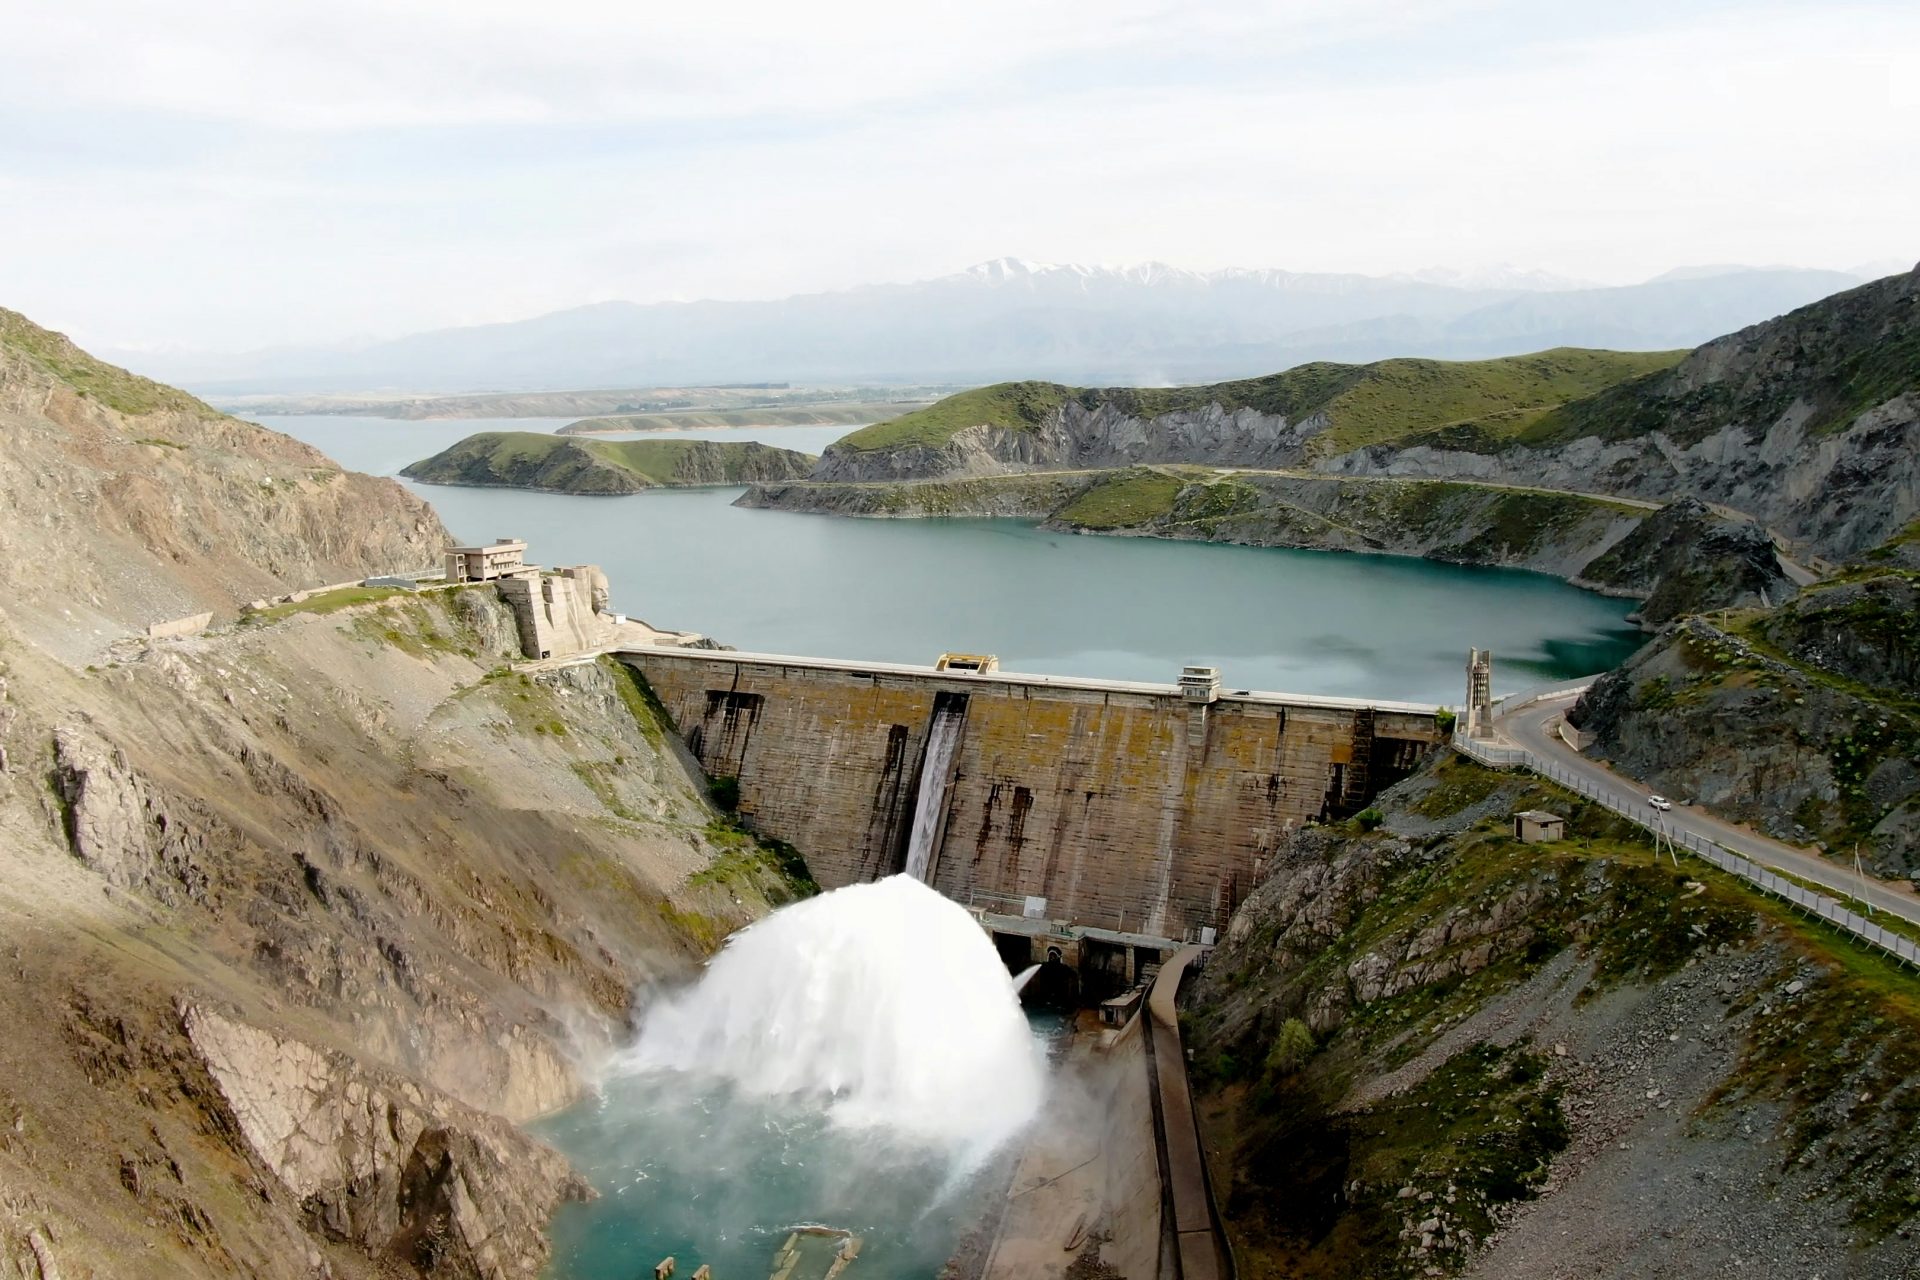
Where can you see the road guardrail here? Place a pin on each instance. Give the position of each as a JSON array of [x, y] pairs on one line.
[[1832, 910]]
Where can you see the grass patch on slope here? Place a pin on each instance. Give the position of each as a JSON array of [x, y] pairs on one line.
[[1020, 406], [1123, 499], [1892, 547], [663, 461], [1399, 397], [326, 602], [96, 379]]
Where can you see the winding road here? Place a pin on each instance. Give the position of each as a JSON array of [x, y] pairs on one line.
[[1534, 727]]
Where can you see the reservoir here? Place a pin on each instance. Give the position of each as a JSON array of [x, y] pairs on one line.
[[1314, 622]]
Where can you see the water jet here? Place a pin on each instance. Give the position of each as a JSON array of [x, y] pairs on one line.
[[849, 1061]]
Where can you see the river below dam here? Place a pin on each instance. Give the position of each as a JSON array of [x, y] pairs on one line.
[[1314, 622]]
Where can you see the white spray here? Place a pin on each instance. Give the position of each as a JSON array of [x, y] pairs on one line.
[[886, 999]]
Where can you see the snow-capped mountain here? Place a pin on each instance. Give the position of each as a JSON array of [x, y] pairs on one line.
[[1013, 318]]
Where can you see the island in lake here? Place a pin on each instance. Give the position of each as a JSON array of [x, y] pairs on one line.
[[554, 464]]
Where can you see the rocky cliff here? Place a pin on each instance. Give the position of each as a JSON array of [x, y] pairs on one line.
[[1809, 423], [303, 915], [130, 503], [554, 464], [1694, 560], [1431, 1050], [1277, 421]]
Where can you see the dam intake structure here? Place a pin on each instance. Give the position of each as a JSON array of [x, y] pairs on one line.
[[1145, 811]]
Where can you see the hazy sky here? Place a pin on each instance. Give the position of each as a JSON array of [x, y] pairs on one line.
[[225, 175]]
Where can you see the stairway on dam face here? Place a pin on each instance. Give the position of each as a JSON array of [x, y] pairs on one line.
[[1098, 796]]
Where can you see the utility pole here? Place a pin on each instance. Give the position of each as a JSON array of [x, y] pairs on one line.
[[1861, 872]]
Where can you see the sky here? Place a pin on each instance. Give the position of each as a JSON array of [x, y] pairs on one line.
[[221, 175]]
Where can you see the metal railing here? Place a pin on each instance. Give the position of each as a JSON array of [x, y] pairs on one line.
[[1831, 910]]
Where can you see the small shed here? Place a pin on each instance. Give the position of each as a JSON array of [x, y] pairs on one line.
[[1116, 1012], [1532, 826]]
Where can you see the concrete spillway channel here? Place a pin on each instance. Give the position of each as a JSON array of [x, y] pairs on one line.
[[1117, 1167]]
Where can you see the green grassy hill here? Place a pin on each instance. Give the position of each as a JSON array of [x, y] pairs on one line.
[[96, 379], [533, 460], [1365, 404]]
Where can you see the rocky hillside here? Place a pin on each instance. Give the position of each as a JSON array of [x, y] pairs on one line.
[[1801, 719], [1681, 558], [553, 464], [1688, 558], [1310, 411], [301, 916], [131, 503], [1809, 423], [1431, 1050]]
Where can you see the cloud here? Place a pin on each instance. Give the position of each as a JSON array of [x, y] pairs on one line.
[[226, 175], [360, 64]]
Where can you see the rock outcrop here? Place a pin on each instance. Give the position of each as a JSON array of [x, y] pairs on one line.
[[381, 1163], [1695, 560], [1082, 437]]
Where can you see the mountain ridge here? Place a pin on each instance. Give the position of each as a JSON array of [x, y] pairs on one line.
[[1806, 422], [1010, 318]]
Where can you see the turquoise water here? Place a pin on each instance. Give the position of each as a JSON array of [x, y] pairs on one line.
[[691, 1169], [1121, 608]]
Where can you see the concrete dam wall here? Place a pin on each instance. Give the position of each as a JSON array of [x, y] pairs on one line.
[[1128, 807]]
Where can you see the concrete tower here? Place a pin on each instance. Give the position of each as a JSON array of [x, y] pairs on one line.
[[1479, 693]]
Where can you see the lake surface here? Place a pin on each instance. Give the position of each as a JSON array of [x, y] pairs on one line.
[[1121, 608]]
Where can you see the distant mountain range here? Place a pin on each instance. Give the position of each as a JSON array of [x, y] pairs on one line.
[[1008, 318]]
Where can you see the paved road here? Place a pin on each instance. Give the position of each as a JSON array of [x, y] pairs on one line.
[[1530, 727]]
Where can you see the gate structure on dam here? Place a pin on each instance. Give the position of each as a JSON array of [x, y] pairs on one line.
[[1142, 810]]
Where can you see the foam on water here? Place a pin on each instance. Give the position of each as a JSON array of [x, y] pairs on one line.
[[884, 1000]]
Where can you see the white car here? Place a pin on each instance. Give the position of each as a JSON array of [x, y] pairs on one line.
[[1660, 802]]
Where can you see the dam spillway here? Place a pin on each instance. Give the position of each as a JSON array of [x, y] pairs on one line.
[[929, 805], [1141, 808]]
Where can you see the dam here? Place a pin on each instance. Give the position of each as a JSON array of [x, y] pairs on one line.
[[1121, 815]]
